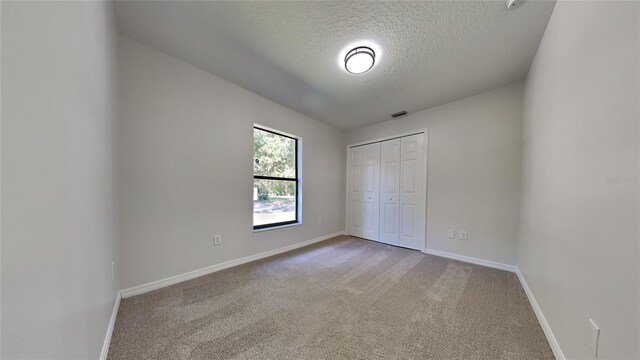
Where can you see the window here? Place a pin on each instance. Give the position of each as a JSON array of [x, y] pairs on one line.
[[275, 179]]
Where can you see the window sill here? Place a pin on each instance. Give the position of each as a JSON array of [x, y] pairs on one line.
[[277, 227]]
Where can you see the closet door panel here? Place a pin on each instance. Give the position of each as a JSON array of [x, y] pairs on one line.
[[356, 193], [408, 220], [371, 199], [412, 197], [390, 191], [389, 223]]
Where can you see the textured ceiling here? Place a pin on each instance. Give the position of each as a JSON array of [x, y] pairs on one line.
[[429, 53]]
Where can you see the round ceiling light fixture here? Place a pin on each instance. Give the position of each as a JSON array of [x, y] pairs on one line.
[[359, 60]]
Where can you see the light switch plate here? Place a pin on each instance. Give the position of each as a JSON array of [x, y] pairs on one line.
[[451, 233]]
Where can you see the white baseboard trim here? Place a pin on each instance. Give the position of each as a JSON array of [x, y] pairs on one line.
[[154, 285], [553, 343], [472, 260], [112, 324]]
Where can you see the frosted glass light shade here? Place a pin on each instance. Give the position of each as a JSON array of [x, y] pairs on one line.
[[359, 60]]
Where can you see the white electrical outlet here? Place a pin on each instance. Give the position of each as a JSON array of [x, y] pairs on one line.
[[217, 239], [594, 337], [451, 233], [464, 235], [113, 271]]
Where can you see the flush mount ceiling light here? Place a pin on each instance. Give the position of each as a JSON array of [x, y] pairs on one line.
[[359, 60], [512, 4]]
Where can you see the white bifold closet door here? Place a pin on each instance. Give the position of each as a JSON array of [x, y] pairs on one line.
[[390, 192], [371, 186], [364, 193], [412, 192], [387, 186], [356, 194]]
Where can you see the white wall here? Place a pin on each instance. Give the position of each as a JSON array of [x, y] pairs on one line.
[[578, 244], [58, 220], [473, 170], [186, 140]]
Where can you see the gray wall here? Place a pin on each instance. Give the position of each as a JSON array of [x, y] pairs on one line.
[[578, 244], [58, 221], [186, 140], [473, 171]]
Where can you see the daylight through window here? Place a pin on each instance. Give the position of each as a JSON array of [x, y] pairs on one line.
[[275, 179]]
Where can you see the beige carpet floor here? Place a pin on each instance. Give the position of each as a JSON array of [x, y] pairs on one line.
[[344, 298]]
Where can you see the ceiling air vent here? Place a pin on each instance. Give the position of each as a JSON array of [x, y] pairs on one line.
[[399, 114]]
